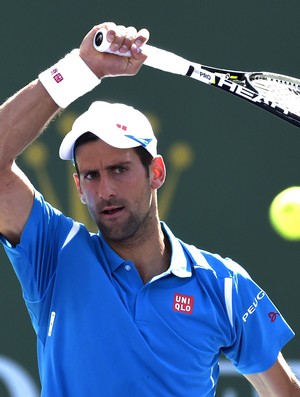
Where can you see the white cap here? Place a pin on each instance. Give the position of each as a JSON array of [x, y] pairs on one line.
[[118, 125]]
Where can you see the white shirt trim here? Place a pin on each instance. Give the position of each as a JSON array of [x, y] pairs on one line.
[[72, 233]]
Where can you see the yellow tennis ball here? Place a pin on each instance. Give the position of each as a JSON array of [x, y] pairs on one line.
[[284, 213]]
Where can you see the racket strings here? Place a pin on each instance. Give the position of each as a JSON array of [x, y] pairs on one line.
[[284, 92]]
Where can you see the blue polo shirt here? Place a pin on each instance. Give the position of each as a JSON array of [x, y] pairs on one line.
[[102, 332]]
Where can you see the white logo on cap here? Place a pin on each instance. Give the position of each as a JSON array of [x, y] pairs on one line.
[[142, 141]]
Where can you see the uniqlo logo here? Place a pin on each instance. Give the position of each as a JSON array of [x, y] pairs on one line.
[[183, 303], [58, 77]]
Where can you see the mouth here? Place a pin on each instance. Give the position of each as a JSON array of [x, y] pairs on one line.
[[111, 212]]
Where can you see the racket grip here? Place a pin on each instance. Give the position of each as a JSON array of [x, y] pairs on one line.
[[156, 57], [101, 44]]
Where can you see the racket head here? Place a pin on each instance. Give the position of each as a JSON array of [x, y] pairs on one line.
[[276, 93], [281, 89]]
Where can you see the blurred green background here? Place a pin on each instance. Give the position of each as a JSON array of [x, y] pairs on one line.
[[226, 159]]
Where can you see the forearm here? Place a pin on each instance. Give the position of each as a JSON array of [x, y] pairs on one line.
[[290, 390], [22, 118], [25, 115], [278, 381]]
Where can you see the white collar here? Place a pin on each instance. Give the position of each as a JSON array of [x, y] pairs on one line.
[[180, 263]]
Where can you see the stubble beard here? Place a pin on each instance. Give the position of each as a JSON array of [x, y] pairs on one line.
[[130, 229], [125, 231]]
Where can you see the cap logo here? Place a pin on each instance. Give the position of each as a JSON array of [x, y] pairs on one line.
[[123, 127], [142, 141]]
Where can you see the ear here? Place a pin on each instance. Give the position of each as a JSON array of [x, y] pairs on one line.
[[78, 187], [157, 172]]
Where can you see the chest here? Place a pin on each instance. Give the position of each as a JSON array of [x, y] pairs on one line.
[[173, 311], [169, 329]]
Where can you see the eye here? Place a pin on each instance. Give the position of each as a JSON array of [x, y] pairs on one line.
[[118, 169], [91, 175]]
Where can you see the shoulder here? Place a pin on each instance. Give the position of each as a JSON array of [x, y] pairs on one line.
[[46, 220], [220, 266]]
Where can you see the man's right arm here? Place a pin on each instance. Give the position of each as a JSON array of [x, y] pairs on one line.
[[24, 116]]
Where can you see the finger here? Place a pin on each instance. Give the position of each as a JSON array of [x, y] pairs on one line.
[[136, 48], [142, 37], [122, 38], [110, 27], [128, 39], [116, 37]]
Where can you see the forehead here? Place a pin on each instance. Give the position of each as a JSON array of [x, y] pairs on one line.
[[97, 150]]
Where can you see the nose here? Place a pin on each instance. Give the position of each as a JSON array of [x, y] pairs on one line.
[[106, 189]]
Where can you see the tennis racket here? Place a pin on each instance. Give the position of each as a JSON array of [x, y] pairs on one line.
[[276, 93]]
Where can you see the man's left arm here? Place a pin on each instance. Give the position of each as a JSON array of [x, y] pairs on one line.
[[277, 381]]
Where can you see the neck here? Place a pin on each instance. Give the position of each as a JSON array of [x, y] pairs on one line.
[[150, 252]]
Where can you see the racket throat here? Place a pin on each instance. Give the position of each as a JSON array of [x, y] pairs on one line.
[[200, 74]]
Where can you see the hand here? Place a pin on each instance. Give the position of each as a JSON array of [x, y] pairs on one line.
[[122, 39]]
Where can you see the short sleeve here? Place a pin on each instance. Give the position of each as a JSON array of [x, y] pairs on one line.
[[260, 331], [34, 259]]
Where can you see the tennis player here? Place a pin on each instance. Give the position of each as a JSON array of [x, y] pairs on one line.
[[131, 311]]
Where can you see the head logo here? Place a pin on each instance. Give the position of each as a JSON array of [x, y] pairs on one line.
[[273, 316]]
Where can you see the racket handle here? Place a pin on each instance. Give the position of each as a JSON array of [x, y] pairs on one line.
[[101, 44], [156, 57]]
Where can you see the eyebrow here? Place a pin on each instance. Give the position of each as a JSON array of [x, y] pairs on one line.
[[110, 166]]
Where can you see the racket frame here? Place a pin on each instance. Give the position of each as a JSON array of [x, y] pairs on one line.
[[234, 82]]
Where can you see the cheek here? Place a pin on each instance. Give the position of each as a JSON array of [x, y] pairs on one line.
[[88, 194], [142, 196], [91, 195]]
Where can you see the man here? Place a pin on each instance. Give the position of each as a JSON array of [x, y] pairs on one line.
[[131, 311]]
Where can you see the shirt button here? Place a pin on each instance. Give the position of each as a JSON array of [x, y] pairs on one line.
[[127, 267]]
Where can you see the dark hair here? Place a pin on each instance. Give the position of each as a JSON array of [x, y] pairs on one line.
[[144, 155]]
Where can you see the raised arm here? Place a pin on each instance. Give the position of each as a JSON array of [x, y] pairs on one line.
[[24, 116], [278, 381]]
